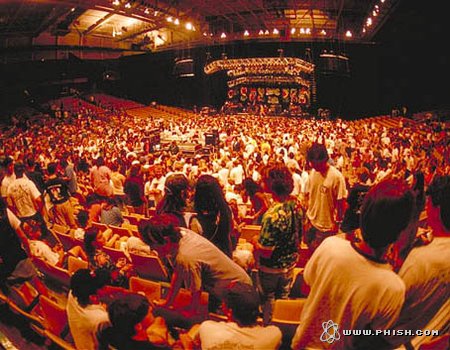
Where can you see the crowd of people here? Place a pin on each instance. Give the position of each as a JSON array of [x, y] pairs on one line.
[[353, 194]]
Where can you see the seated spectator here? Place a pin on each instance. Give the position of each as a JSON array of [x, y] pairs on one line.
[[15, 266], [129, 320], [110, 213], [55, 256], [241, 331], [84, 312], [352, 283], [101, 263], [83, 221]]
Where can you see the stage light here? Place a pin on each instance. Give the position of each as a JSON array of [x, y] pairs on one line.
[[275, 31], [246, 33], [323, 32], [308, 31], [116, 2], [223, 35], [293, 31], [348, 34], [267, 32], [369, 21], [169, 19], [189, 26], [261, 32], [177, 21], [302, 30], [146, 11], [127, 5]]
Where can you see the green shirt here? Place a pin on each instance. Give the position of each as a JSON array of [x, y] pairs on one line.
[[282, 228]]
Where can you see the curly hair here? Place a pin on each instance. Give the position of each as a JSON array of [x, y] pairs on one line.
[[278, 179]]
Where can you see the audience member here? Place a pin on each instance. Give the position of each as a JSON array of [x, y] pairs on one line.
[[213, 215], [325, 194], [352, 283], [279, 239], [84, 311]]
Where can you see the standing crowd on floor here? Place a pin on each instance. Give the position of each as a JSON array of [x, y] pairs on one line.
[[365, 204]]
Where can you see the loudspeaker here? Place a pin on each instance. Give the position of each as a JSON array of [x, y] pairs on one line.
[[184, 68], [332, 64], [212, 138]]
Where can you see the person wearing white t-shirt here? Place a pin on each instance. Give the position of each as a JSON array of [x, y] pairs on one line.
[[426, 271], [9, 177], [84, 313], [324, 196], [241, 331], [351, 283]]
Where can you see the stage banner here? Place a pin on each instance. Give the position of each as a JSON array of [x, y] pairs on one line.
[[244, 92], [285, 95], [252, 95], [294, 95], [261, 93]]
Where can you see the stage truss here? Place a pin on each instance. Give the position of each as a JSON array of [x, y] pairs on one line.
[[280, 85]]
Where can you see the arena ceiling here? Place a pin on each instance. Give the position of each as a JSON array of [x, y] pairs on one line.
[[127, 26]]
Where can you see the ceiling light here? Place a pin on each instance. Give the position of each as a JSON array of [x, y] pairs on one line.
[[374, 13], [246, 33], [364, 30], [72, 9]]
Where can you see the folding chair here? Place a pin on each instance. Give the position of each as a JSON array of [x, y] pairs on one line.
[[115, 254], [149, 267], [56, 277], [56, 324], [249, 231], [286, 316], [152, 290], [76, 264], [121, 231], [67, 240]]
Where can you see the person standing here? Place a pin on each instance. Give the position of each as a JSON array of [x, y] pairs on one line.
[[352, 283], [58, 192], [279, 239], [24, 198], [325, 195]]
